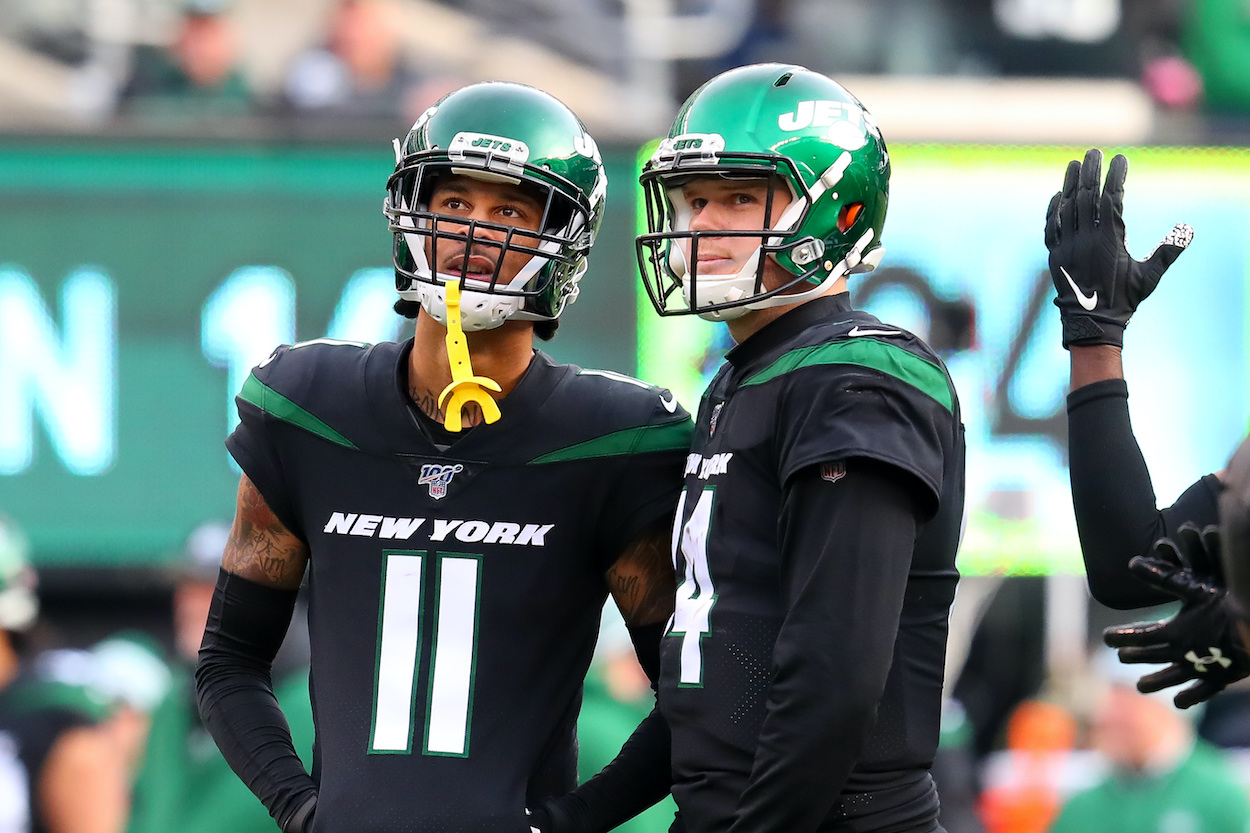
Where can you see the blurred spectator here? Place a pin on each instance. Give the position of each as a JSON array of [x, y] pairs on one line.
[[1216, 38], [1161, 777], [196, 76], [359, 70], [124, 676], [60, 771], [1025, 795], [1006, 660], [185, 783]]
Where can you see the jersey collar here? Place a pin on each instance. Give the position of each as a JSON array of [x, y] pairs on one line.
[[786, 327]]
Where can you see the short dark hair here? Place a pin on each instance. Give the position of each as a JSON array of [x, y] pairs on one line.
[[545, 330]]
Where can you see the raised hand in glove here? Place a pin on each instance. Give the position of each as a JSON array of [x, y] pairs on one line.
[[1099, 283], [1200, 641]]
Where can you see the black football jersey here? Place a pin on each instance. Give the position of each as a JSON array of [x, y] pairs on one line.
[[822, 385], [454, 595]]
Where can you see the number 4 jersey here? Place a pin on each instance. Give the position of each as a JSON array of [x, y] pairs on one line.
[[817, 396], [454, 591]]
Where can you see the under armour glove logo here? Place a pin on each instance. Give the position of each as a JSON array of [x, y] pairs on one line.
[[1200, 642], [1215, 656]]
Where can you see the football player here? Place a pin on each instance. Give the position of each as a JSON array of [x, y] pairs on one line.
[[460, 504], [815, 541], [1173, 551]]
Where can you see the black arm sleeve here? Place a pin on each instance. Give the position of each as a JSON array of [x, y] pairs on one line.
[[638, 777], [246, 625], [846, 552], [1114, 500]]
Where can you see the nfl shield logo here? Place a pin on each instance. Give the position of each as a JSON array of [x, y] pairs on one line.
[[437, 477], [711, 428]]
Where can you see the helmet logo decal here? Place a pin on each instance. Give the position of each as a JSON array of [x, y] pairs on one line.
[[693, 148], [848, 125], [585, 145], [496, 153]]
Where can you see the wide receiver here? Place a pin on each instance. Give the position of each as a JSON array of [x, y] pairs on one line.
[[460, 504]]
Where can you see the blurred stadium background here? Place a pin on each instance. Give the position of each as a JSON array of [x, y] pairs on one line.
[[186, 183]]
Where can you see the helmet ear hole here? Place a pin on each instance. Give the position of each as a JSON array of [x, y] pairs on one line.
[[848, 215]]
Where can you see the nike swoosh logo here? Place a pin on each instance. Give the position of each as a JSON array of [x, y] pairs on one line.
[[269, 358], [669, 403], [1087, 302], [856, 331]]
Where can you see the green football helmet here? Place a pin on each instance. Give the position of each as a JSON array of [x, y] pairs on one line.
[[789, 126], [497, 132], [18, 603]]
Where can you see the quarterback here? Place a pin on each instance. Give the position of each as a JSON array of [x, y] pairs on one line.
[[815, 539], [460, 505]]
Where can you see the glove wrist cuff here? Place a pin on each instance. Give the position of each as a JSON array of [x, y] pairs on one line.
[[1083, 331]]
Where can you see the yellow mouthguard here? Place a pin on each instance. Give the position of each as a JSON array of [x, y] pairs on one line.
[[464, 387]]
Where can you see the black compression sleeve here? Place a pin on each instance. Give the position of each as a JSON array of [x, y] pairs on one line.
[[638, 777], [1113, 498], [246, 625], [846, 552], [646, 639]]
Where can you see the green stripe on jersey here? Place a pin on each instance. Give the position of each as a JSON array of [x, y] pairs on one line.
[[278, 406], [670, 436], [890, 359]]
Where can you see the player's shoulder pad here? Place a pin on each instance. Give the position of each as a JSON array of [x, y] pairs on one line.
[[324, 382], [869, 349], [605, 413]]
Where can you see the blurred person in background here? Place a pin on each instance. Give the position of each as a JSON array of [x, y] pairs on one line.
[[459, 546], [197, 75], [1025, 784], [185, 784], [359, 71], [1161, 777], [1099, 286], [122, 679], [61, 771]]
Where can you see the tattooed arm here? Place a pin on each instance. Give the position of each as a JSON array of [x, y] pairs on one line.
[[260, 548], [642, 579], [251, 610]]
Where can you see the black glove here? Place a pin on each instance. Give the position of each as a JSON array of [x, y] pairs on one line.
[[551, 817], [1099, 283], [1200, 640]]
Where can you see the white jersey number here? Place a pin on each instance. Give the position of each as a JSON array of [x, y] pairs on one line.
[[695, 594], [452, 656]]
